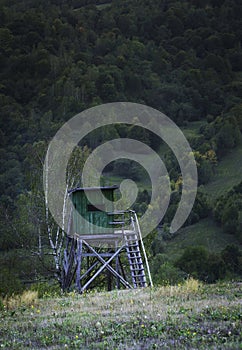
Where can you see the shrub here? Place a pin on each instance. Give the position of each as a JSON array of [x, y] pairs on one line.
[[191, 285], [168, 274], [194, 262], [232, 256], [228, 211], [27, 298], [46, 289], [199, 263], [1, 304], [9, 283]]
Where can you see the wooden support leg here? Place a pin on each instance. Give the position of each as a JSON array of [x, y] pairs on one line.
[[78, 262], [69, 265], [117, 268]]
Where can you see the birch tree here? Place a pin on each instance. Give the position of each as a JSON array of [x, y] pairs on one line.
[[51, 235]]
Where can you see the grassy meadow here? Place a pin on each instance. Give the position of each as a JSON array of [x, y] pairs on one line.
[[187, 316]]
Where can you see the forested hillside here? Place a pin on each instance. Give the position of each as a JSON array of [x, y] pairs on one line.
[[60, 57]]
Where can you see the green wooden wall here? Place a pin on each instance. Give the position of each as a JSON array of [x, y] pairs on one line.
[[82, 224]]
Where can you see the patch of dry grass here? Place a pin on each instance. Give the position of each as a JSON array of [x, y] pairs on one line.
[[27, 298]]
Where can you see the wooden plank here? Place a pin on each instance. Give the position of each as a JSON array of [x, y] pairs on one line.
[[103, 255], [89, 270], [85, 217], [111, 236]]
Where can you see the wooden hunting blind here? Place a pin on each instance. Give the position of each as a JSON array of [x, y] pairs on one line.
[[93, 218], [97, 237]]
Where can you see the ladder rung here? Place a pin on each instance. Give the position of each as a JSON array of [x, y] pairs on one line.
[[141, 268], [140, 264], [135, 259], [141, 275], [116, 223], [117, 212]]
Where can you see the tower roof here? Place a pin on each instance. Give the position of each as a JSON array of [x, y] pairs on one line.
[[113, 187]]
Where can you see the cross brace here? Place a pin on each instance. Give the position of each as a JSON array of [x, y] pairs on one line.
[[105, 264]]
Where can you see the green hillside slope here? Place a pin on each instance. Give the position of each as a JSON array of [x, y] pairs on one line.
[[204, 233], [228, 174]]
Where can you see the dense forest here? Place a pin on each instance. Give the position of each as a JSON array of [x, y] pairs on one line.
[[60, 57]]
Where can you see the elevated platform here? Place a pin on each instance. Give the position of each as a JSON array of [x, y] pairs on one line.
[[87, 255], [118, 237]]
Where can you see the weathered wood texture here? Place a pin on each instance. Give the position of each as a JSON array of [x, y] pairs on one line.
[[92, 216]]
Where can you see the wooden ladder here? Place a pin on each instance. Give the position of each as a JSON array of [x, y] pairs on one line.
[[135, 259], [128, 222]]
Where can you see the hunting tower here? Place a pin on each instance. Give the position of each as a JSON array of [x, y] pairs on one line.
[[103, 240]]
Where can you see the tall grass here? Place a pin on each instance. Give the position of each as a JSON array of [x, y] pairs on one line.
[[27, 298]]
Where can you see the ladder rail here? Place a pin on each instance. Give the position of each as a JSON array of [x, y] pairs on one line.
[[135, 259], [134, 222], [143, 247]]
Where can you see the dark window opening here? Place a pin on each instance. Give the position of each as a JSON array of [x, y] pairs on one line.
[[91, 207]]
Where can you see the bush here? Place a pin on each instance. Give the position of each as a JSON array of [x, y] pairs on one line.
[[194, 262], [191, 285], [46, 289], [9, 283], [199, 263], [1, 304], [157, 246], [228, 211], [168, 274], [216, 268], [232, 258]]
